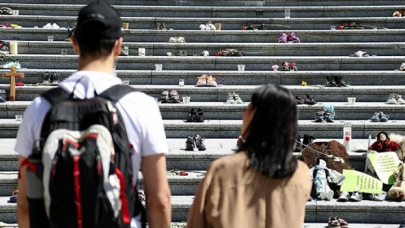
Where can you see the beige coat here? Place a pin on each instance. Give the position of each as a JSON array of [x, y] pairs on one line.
[[233, 196]]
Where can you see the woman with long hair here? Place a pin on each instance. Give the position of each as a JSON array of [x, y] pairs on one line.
[[263, 184]]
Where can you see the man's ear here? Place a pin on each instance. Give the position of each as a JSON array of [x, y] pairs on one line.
[[117, 47], [75, 45]]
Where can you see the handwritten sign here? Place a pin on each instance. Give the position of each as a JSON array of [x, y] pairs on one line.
[[362, 182], [384, 165]]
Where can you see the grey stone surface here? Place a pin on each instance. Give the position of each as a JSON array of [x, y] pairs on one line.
[[249, 36], [247, 49]]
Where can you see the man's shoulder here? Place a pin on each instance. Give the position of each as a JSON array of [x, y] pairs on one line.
[[138, 99]]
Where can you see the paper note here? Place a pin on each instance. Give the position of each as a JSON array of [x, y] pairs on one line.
[[362, 182], [384, 165]]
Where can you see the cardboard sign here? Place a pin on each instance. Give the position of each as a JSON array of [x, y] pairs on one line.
[[362, 182], [384, 165]]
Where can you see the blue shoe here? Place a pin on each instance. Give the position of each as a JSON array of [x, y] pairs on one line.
[[383, 117], [319, 116], [375, 117]]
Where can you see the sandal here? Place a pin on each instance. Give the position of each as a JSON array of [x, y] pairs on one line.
[[359, 54]]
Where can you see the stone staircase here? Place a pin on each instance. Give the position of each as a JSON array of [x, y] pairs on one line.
[[323, 52]]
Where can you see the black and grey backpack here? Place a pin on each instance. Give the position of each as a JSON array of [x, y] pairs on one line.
[[80, 172]]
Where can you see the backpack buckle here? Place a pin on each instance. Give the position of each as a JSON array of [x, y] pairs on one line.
[[113, 112]]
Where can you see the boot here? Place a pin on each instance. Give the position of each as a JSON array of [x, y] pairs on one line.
[[298, 147], [308, 139]]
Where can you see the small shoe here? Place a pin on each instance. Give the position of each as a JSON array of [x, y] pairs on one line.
[[55, 26], [293, 66], [231, 99], [174, 96], [190, 144], [124, 50], [202, 27], [319, 116], [16, 26], [299, 100], [399, 99], [285, 66], [304, 83], [329, 117], [181, 40], [46, 78], [141, 195], [199, 115], [378, 197], [343, 197], [402, 225], [339, 81], [402, 67], [375, 117], [239, 142], [330, 82], [282, 38], [329, 195], [333, 223], [291, 38], [309, 100], [48, 26], [396, 14], [192, 116], [237, 99], [343, 223], [14, 196], [360, 54], [164, 97], [356, 196], [173, 40], [55, 78], [392, 99], [202, 81], [4, 47], [200, 143], [384, 117], [210, 81], [322, 195], [6, 11]]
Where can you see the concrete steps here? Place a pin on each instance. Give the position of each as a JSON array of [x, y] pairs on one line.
[[305, 63], [231, 128], [247, 49], [386, 212], [215, 11], [234, 78], [223, 111], [220, 93], [228, 2], [227, 23], [228, 36]]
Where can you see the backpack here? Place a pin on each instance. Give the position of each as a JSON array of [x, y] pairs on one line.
[[80, 172]]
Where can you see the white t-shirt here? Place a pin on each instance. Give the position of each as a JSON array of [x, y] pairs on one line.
[[139, 111]]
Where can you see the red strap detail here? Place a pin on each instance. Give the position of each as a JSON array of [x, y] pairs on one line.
[[124, 203], [26, 162], [92, 136], [76, 181]]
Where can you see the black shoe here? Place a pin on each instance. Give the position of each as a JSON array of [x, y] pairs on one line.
[[192, 116], [330, 82], [190, 143], [200, 115], [299, 100], [4, 47], [309, 100], [46, 78], [339, 81], [164, 97], [174, 96], [298, 143], [71, 32], [54, 78], [308, 139], [6, 11], [162, 26], [402, 225], [199, 142]]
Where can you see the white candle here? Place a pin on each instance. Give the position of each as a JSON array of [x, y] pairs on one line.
[[141, 51], [14, 48]]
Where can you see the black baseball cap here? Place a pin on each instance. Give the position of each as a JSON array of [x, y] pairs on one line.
[[101, 16]]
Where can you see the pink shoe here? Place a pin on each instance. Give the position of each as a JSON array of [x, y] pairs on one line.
[[292, 38], [285, 66], [202, 81], [282, 38], [293, 67]]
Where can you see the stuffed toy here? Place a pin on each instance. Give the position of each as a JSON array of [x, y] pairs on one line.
[[384, 143], [322, 176], [397, 191]]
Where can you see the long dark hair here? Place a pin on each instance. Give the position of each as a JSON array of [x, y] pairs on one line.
[[272, 132]]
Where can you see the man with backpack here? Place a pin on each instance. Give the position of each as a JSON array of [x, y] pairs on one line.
[[82, 144]]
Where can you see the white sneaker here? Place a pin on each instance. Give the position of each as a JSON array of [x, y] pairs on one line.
[[202, 81], [48, 26], [211, 26], [237, 99], [202, 27], [181, 40], [55, 26], [230, 99], [402, 67], [399, 99], [205, 53], [391, 99], [172, 39]]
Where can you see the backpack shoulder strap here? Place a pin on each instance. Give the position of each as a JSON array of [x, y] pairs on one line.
[[55, 96], [115, 93]]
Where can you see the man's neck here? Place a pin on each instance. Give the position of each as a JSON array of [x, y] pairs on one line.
[[105, 65]]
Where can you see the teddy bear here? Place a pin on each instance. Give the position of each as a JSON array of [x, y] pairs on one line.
[[397, 191]]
